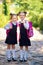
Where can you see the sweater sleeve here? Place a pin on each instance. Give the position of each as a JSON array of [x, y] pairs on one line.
[[7, 26], [26, 25]]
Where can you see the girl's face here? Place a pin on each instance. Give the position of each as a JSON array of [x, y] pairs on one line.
[[22, 16], [14, 18]]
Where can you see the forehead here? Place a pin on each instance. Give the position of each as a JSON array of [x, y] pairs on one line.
[[22, 13], [14, 16]]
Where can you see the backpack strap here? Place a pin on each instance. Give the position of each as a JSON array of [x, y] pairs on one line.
[[10, 23], [30, 24]]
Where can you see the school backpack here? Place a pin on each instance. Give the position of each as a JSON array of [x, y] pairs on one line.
[[30, 30]]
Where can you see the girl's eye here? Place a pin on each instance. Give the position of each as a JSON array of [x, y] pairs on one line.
[[22, 15]]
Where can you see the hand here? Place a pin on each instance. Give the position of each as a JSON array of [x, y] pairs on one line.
[[10, 27]]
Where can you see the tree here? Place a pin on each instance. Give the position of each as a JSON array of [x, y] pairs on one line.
[[5, 7]]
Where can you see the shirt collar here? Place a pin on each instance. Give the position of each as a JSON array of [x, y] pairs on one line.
[[14, 23]]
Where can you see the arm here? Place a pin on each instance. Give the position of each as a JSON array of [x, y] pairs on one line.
[[26, 25], [8, 26]]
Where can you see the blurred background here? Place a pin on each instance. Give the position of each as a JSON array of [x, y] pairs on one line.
[[34, 9]]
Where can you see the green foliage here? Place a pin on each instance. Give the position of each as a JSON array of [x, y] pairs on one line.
[[41, 21], [33, 7], [3, 20], [34, 18], [1, 8], [5, 7]]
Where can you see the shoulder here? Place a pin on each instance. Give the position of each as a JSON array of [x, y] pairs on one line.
[[29, 22]]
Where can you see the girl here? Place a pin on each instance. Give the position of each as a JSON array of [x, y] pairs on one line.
[[11, 39], [24, 41]]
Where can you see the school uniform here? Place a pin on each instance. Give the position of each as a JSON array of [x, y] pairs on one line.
[[12, 35], [11, 39], [24, 41]]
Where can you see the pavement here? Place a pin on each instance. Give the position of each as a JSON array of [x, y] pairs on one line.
[[35, 51]]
